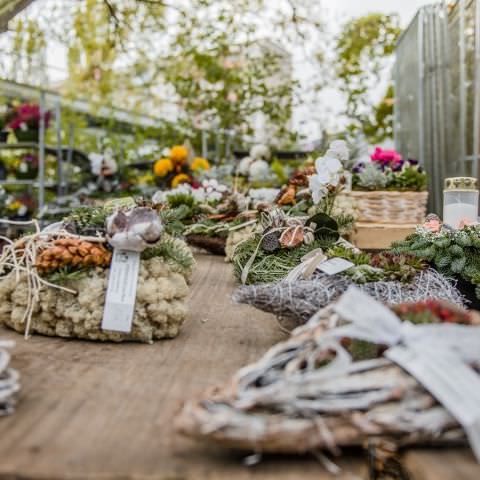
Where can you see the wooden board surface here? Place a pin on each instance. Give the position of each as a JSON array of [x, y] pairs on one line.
[[104, 411], [379, 236]]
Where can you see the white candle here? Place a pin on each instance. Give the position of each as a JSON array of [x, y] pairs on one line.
[[454, 213]]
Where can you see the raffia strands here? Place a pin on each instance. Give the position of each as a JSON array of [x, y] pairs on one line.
[[9, 381], [284, 403], [299, 300], [20, 257]]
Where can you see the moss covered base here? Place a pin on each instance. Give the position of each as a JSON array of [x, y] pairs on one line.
[[159, 311]]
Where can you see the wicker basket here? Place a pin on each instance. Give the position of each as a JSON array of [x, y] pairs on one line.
[[390, 207]]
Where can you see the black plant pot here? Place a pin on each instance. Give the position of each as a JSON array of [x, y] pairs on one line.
[[467, 289], [3, 136], [27, 135]]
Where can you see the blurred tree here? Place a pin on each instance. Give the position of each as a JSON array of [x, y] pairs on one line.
[[363, 49], [216, 63]]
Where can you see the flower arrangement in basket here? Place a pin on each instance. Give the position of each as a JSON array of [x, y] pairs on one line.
[[358, 373], [178, 166], [24, 121], [54, 282], [389, 189]]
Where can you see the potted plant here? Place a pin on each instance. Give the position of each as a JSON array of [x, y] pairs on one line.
[[24, 122], [389, 189]]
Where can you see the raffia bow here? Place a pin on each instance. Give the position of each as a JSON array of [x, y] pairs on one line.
[[439, 356]]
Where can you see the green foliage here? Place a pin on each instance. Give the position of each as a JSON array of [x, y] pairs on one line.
[[270, 267], [173, 219], [361, 49], [455, 253], [87, 217], [67, 274], [174, 253], [409, 178]]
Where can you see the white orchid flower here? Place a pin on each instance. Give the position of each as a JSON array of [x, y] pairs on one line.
[[339, 150], [318, 187], [331, 165]]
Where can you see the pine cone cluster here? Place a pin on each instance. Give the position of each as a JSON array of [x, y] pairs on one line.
[[72, 252]]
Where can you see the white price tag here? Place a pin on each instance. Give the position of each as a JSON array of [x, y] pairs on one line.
[[335, 265], [122, 291]]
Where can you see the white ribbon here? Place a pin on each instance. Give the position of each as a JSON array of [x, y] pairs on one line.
[[309, 264], [437, 355]]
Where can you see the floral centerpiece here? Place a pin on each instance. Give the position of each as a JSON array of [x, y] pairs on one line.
[[389, 189], [54, 281], [178, 166], [357, 374], [455, 253], [24, 121], [386, 276], [208, 209]]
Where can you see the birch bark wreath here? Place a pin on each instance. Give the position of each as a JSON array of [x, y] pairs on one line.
[[326, 388], [9, 380]]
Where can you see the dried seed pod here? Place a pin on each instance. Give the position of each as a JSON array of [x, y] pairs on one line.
[[271, 241], [292, 237]]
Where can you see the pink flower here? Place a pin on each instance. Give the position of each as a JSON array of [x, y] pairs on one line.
[[465, 222], [433, 225], [386, 158], [28, 114]]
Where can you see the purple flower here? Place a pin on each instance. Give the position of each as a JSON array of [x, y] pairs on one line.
[[358, 167]]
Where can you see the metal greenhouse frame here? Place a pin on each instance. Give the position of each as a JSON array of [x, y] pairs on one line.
[[437, 81]]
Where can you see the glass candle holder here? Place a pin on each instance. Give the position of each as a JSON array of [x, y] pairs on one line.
[[460, 201]]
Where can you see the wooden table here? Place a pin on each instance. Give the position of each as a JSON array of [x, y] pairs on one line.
[[104, 411]]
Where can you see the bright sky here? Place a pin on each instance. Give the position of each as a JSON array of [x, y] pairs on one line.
[[353, 8], [340, 11]]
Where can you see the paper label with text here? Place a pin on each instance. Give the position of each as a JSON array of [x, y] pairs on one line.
[[335, 265], [122, 291]]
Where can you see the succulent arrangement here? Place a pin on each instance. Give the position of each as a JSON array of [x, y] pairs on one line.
[[387, 170]]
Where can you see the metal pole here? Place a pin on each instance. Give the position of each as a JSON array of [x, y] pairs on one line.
[[421, 89], [204, 143], [41, 154], [71, 140], [476, 114], [58, 129], [217, 145], [228, 145], [462, 87]]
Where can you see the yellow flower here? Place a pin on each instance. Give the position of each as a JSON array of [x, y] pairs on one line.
[[200, 163], [179, 154], [15, 205], [162, 167], [180, 178]]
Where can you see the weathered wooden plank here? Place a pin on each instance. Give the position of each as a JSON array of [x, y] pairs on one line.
[[442, 464], [104, 411], [94, 411]]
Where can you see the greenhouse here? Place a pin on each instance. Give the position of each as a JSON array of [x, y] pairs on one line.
[[238, 239]]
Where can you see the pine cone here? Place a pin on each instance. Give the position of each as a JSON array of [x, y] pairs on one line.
[[72, 252]]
